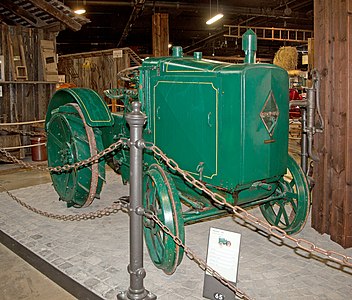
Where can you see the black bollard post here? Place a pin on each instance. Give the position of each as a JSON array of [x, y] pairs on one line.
[[136, 291]]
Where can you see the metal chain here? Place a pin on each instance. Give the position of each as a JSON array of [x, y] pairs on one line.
[[23, 132], [119, 205], [246, 216], [91, 160], [107, 211], [192, 256]]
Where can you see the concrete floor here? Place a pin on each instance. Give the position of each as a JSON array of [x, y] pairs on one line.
[[18, 279]]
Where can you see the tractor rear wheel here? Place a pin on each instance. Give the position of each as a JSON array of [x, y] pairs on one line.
[[71, 140]]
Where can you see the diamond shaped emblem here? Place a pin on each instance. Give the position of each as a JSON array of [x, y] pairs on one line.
[[270, 113]]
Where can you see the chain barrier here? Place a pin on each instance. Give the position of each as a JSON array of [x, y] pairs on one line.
[[219, 199], [246, 216], [114, 208], [106, 211], [91, 160], [23, 132]]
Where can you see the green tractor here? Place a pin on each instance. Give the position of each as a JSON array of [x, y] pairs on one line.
[[225, 124]]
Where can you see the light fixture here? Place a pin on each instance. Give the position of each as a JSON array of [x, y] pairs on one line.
[[218, 15], [80, 11], [214, 19], [79, 8]]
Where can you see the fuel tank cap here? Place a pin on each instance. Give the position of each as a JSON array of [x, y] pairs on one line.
[[177, 51], [197, 55]]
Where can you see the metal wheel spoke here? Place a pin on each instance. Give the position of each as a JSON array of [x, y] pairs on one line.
[[292, 183], [57, 141], [68, 178], [158, 248], [63, 130], [294, 205], [292, 195], [287, 221], [160, 242], [279, 214]]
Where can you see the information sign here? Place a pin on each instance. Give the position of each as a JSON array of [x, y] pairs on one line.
[[223, 257]]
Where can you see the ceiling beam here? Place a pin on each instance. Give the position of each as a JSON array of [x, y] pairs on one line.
[[277, 12], [57, 14], [136, 12], [20, 12], [254, 20]]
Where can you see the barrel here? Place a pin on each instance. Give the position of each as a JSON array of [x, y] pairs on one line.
[[38, 152]]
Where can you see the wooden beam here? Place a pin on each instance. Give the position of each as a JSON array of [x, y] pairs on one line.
[[57, 14], [332, 205], [160, 34], [19, 11]]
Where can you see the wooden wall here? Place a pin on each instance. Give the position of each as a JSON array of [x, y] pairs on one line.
[[96, 70], [332, 194], [23, 98]]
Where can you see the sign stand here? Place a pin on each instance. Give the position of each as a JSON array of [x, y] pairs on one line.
[[223, 257]]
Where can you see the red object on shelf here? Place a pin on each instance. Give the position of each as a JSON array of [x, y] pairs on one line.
[[295, 111], [39, 152]]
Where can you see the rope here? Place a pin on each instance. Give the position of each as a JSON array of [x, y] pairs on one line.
[[22, 123], [26, 146]]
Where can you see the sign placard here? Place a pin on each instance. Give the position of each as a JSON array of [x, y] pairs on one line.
[[223, 257], [117, 53]]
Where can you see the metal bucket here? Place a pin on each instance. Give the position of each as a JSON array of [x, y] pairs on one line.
[[38, 152]]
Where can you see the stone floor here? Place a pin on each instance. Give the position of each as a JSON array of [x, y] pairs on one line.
[[19, 280], [95, 253]]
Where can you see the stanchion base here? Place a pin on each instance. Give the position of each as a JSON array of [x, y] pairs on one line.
[[129, 296]]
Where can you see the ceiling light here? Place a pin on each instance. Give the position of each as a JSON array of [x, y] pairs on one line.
[[214, 19], [218, 15], [79, 11], [79, 7]]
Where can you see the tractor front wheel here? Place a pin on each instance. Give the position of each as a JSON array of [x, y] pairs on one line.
[[289, 211], [161, 198]]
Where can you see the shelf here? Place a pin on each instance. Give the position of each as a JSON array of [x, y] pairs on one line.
[[28, 82]]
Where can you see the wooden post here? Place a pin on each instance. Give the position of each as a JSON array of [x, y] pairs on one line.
[[332, 194], [160, 32]]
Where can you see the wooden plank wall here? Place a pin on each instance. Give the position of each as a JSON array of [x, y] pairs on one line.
[[24, 99], [96, 70], [332, 194], [160, 34]]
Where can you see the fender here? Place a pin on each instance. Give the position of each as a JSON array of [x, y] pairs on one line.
[[94, 109]]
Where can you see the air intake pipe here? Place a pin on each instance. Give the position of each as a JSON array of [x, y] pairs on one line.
[[249, 46]]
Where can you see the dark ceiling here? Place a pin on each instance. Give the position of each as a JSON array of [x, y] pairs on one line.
[[128, 23]]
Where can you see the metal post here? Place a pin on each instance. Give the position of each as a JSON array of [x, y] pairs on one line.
[[304, 141], [311, 98], [136, 291]]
